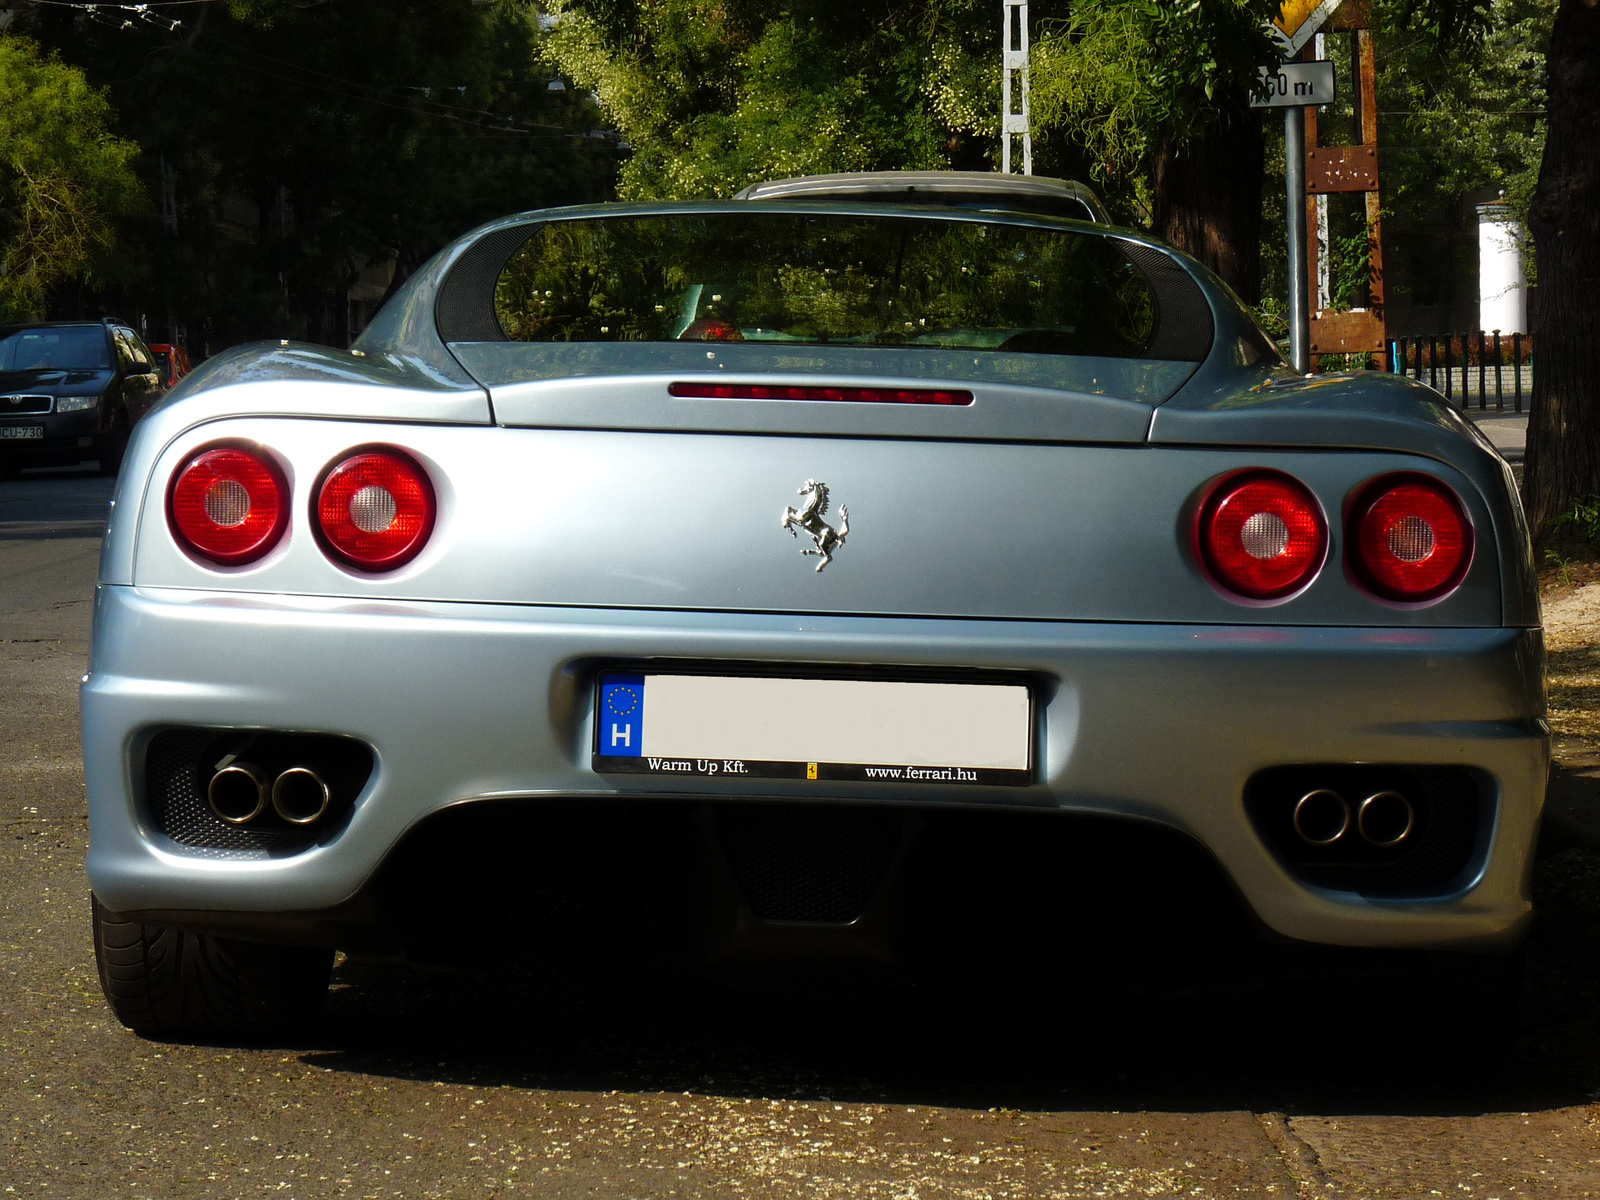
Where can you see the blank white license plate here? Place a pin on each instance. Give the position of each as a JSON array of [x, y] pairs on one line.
[[875, 730], [23, 432]]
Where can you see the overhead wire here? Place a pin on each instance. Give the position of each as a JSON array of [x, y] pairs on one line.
[[449, 108], [521, 129], [102, 13]]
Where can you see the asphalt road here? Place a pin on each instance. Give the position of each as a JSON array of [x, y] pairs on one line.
[[505, 1081]]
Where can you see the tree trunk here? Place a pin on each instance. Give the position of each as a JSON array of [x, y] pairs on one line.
[[1563, 456], [1208, 198]]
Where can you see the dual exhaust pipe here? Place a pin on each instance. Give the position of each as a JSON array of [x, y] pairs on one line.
[[1384, 819], [241, 791]]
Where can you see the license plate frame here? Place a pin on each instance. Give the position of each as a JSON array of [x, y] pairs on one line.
[[950, 732], [21, 433]]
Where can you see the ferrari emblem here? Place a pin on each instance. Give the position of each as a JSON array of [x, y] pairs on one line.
[[808, 517]]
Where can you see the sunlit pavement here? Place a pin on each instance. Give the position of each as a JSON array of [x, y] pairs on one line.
[[1507, 430]]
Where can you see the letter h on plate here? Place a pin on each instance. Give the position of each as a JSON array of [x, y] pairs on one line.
[[621, 716]]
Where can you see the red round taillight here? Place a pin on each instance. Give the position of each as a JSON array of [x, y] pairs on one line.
[[228, 504], [1410, 539], [1262, 535], [375, 510]]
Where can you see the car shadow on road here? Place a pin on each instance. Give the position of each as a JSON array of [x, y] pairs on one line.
[[1004, 1044], [47, 531], [61, 502]]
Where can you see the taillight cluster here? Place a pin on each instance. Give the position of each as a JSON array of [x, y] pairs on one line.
[[373, 508], [1262, 537], [229, 504], [1409, 537]]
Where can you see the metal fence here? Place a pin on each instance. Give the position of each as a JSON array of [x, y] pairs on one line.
[[1486, 366]]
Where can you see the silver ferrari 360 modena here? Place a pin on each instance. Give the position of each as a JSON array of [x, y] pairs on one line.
[[849, 583]]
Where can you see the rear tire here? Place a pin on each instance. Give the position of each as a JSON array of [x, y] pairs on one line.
[[170, 983], [114, 443]]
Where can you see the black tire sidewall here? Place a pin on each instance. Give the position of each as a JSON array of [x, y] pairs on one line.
[[114, 443]]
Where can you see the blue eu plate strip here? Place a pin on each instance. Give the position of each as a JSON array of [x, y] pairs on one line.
[[622, 715]]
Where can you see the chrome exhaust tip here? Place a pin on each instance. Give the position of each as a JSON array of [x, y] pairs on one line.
[[300, 795], [1321, 817], [238, 793], [1385, 819]]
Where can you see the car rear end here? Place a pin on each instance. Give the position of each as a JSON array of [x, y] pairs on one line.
[[818, 585]]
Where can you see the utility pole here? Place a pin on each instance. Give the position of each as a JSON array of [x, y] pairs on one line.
[[1014, 65]]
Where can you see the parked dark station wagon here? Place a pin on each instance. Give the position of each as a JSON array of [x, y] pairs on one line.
[[70, 392]]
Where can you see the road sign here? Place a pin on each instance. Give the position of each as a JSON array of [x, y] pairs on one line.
[[1298, 21], [1291, 85]]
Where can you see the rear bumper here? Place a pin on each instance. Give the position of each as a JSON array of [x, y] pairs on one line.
[[1159, 723]]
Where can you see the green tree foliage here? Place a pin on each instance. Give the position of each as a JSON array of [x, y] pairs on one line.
[[1157, 93], [295, 145], [1121, 78], [1462, 97], [64, 178], [713, 95]]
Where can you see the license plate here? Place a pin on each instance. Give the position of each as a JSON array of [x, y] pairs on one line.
[[23, 432], [889, 731]]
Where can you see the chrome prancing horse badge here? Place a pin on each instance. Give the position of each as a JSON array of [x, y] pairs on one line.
[[809, 516]]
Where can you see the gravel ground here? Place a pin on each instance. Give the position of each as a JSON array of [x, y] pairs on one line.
[[510, 1082], [1572, 640]]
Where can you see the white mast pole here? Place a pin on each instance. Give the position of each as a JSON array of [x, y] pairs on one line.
[[1014, 62]]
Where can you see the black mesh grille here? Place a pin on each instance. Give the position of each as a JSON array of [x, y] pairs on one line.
[[14, 405], [466, 301], [1184, 328], [808, 863], [1450, 804], [179, 764]]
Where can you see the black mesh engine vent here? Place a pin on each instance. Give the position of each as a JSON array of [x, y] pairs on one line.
[[179, 764], [465, 311], [809, 863], [1184, 327], [1450, 807]]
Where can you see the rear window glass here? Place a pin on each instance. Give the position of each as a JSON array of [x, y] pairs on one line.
[[68, 346], [825, 280]]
